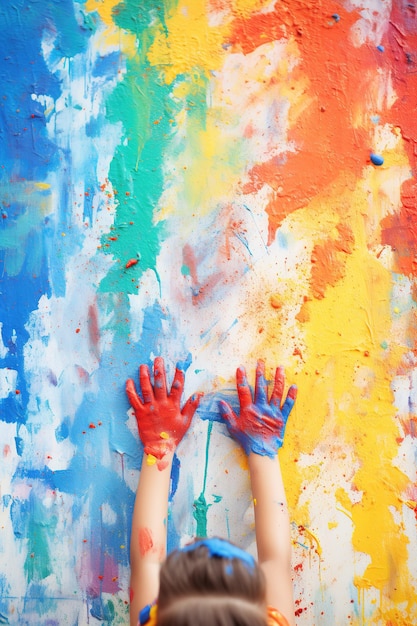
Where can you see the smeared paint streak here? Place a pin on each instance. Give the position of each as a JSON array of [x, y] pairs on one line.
[[94, 330], [200, 505], [329, 260]]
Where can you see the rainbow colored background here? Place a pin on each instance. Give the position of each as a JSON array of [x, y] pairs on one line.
[[212, 181]]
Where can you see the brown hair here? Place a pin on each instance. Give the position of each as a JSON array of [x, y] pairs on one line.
[[197, 589]]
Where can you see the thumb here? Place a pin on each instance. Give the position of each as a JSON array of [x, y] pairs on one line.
[[132, 395], [191, 406], [227, 414]]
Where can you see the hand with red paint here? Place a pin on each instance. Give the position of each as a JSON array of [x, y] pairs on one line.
[[161, 421], [260, 426]]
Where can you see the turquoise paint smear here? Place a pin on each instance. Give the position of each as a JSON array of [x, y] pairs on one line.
[[145, 106], [200, 505]]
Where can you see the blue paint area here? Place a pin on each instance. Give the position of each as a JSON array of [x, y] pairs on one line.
[[223, 549], [184, 365], [26, 154]]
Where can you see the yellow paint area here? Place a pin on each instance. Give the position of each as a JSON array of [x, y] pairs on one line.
[[246, 8], [344, 369], [188, 44]]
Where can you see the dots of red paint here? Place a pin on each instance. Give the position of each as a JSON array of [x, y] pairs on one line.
[[91, 425], [84, 540], [83, 432], [114, 578], [156, 122], [48, 456], [100, 577], [127, 193], [131, 223], [260, 330], [32, 556], [130, 263], [113, 238], [17, 392], [366, 353], [77, 330], [86, 193], [100, 423]]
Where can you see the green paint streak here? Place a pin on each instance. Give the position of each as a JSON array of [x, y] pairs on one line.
[[200, 505], [37, 563], [185, 270], [145, 106]]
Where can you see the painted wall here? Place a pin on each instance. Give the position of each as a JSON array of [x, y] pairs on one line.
[[193, 178]]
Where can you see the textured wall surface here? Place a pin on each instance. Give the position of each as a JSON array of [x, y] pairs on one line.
[[212, 181]]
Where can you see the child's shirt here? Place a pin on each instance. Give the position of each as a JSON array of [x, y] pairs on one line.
[[148, 616]]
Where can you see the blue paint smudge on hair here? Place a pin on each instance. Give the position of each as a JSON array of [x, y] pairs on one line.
[[221, 548]]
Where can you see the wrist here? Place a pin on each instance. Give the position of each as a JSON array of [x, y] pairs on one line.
[[161, 463]]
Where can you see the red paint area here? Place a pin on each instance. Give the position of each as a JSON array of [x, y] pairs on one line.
[[400, 229], [145, 541], [327, 141]]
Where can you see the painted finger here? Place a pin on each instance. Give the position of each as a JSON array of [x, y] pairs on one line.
[[177, 385], [145, 384], [278, 390], [132, 395], [243, 390], [261, 387], [159, 376], [289, 401]]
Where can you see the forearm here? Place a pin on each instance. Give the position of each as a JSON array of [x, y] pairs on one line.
[[148, 538], [272, 529], [270, 505]]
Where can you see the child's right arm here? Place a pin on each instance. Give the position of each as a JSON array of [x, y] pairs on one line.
[[259, 429]]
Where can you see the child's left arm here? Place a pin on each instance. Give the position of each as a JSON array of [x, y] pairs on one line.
[[162, 424]]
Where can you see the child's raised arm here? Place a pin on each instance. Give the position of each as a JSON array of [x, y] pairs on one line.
[[162, 424], [259, 429]]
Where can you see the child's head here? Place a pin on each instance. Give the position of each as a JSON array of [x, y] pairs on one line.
[[211, 582]]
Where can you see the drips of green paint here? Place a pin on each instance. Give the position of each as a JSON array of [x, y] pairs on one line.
[[200, 505]]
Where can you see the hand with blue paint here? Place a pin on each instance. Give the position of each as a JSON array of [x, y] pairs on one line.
[[260, 425], [161, 422]]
